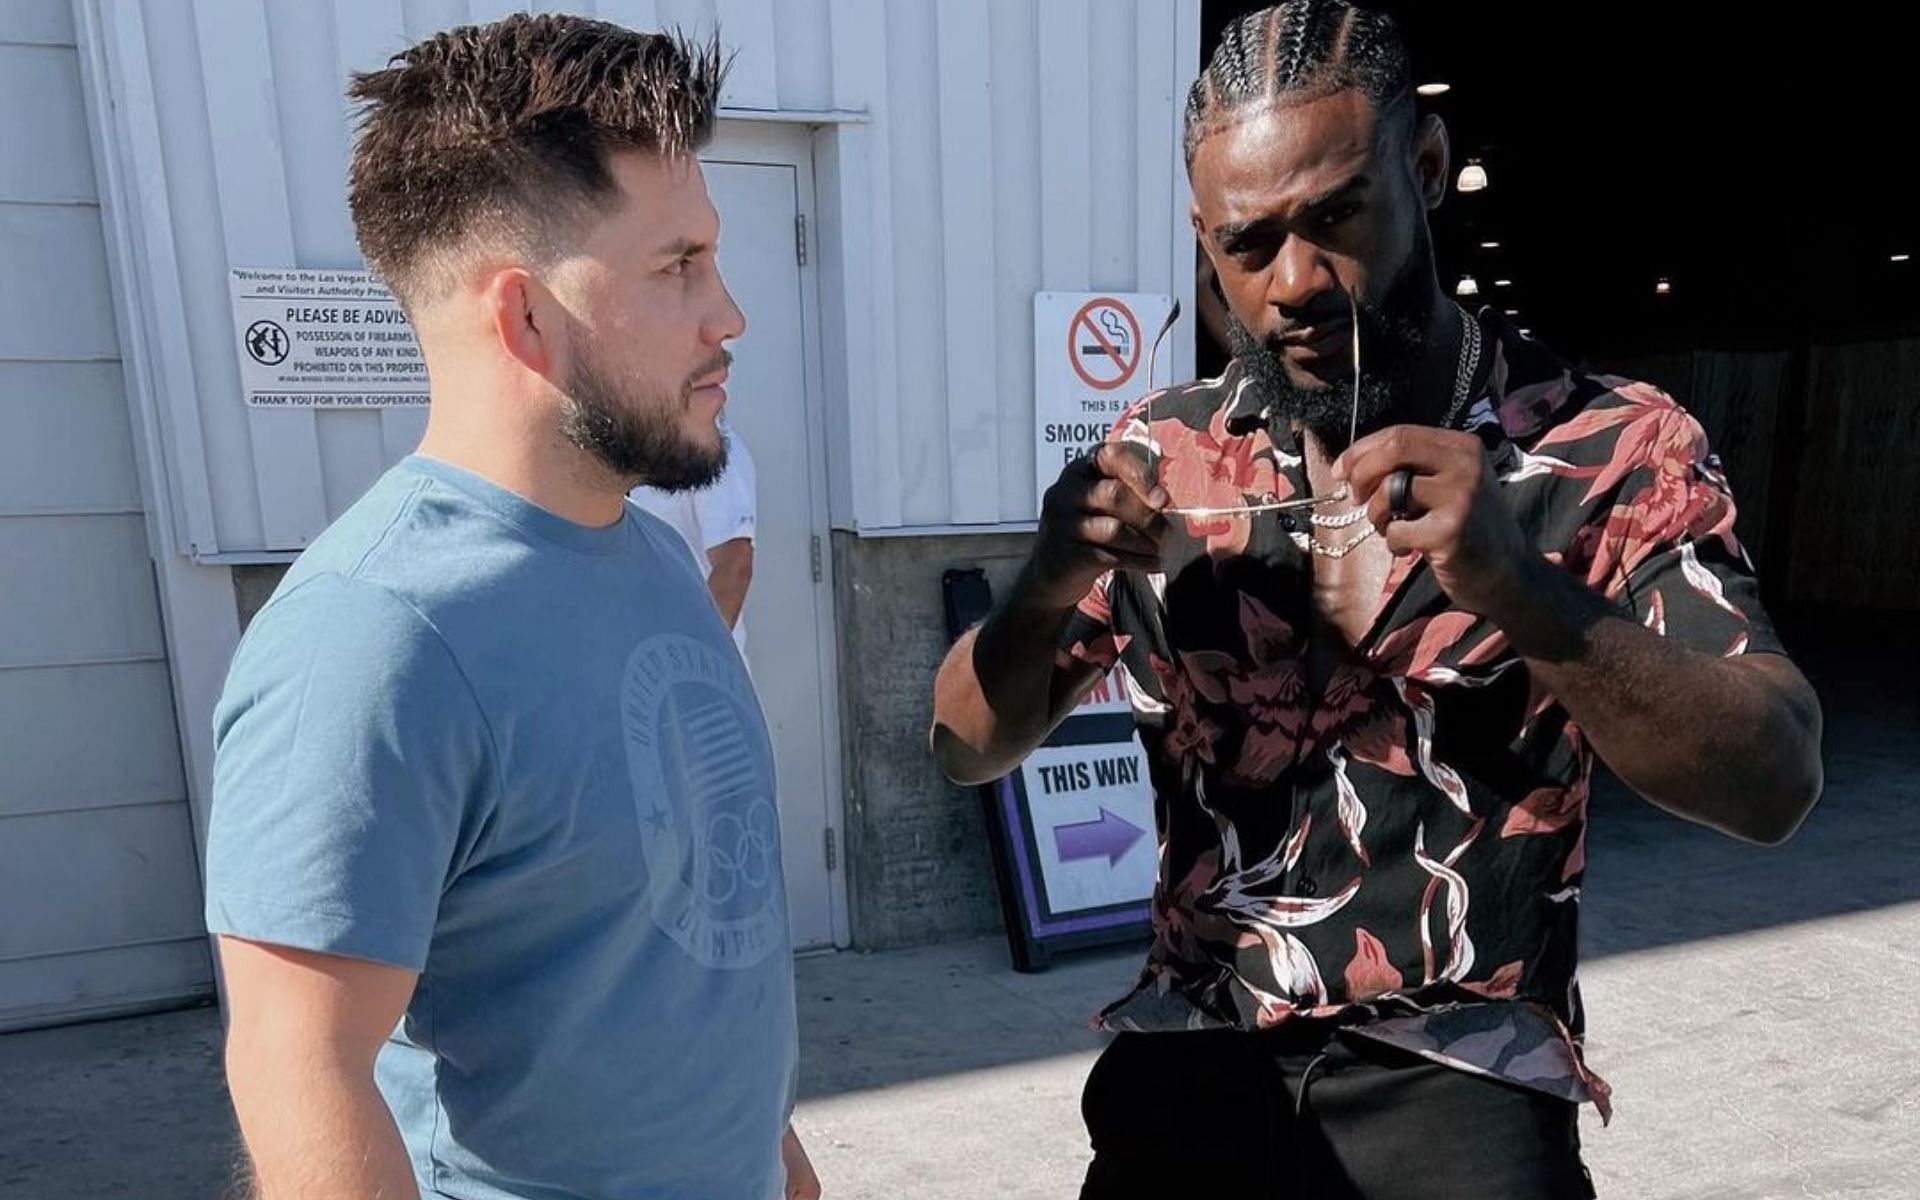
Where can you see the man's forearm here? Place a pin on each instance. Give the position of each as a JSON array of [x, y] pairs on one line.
[[999, 692], [1731, 743], [1014, 656], [731, 574], [317, 1131]]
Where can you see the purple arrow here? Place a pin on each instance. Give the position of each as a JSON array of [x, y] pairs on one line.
[[1111, 836]]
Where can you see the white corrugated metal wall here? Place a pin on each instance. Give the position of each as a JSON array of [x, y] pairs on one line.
[[967, 154], [99, 891], [978, 151], [1029, 146]]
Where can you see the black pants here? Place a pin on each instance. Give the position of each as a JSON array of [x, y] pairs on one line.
[[1316, 1115]]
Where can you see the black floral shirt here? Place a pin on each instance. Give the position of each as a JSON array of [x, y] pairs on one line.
[[1403, 846]]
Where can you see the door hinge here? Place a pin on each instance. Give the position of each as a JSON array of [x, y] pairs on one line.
[[800, 238], [833, 851], [819, 566]]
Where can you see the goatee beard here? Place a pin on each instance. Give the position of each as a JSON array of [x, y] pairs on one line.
[[637, 436], [1393, 345]]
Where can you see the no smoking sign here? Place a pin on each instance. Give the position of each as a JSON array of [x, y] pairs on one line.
[[1086, 372]]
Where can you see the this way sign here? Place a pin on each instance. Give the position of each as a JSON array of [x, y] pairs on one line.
[[1090, 807]]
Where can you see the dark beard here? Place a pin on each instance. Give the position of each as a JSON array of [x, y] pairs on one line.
[[637, 437], [1393, 344]]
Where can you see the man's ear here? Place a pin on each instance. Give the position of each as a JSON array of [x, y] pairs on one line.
[[1432, 159], [527, 320]]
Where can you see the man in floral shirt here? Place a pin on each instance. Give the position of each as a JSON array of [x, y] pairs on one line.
[[1372, 673]]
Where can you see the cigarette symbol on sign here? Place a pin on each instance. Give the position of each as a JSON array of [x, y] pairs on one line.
[[267, 343], [1114, 339]]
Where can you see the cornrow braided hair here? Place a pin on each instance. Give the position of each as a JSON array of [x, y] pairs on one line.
[[1299, 50]]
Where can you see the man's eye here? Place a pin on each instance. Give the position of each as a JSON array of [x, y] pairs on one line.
[[1252, 256]]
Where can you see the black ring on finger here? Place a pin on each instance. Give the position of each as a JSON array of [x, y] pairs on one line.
[[1400, 493]]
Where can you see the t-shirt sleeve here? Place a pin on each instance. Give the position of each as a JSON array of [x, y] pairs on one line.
[[1088, 638], [353, 771], [725, 511], [1668, 534]]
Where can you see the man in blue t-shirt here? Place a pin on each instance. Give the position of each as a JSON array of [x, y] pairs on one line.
[[494, 862]]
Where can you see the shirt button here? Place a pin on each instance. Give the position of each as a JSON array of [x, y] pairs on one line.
[[1289, 522], [1307, 887]]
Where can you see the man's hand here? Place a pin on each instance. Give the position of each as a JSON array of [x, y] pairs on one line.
[[1455, 515], [1102, 514], [802, 1183], [1731, 743]]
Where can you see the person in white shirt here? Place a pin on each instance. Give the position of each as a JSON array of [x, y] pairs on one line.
[[717, 522]]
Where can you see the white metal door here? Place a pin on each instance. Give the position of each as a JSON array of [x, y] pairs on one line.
[[771, 397], [99, 889]]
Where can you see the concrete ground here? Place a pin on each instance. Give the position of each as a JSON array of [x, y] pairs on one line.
[[1755, 1011]]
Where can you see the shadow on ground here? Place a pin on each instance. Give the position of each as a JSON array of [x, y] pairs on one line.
[[987, 1057], [1654, 880]]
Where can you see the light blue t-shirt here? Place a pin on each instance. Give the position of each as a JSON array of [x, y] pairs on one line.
[[522, 757]]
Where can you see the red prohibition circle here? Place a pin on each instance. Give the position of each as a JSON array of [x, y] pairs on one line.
[[1128, 364]]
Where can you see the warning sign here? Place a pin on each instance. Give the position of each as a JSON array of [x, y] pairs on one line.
[[1090, 361], [323, 339]]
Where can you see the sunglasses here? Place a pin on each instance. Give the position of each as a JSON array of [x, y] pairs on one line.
[[1336, 496]]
